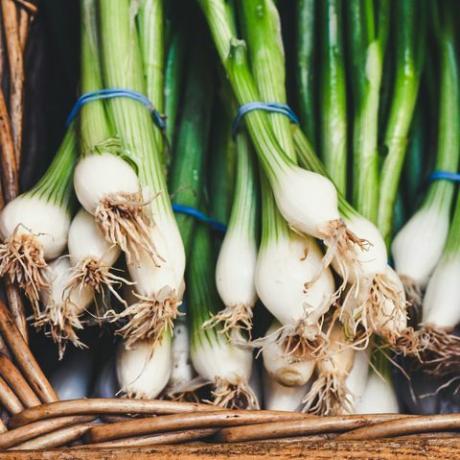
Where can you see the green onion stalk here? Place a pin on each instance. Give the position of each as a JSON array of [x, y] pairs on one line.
[[86, 272], [305, 44], [186, 183], [368, 272], [106, 181], [418, 247], [415, 166], [374, 303], [222, 360], [174, 76], [34, 225], [410, 46], [236, 262], [300, 329], [292, 186], [332, 90], [286, 263], [368, 25], [440, 312], [158, 273]]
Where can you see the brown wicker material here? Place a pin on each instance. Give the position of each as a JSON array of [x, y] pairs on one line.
[[123, 423]]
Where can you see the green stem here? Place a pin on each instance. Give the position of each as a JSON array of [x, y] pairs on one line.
[[273, 224], [263, 32], [187, 172], [232, 53], [94, 125], [174, 76], [410, 32], [133, 122], [333, 99], [223, 166], [440, 193], [305, 59], [367, 35], [151, 41], [202, 296], [243, 217], [55, 186]]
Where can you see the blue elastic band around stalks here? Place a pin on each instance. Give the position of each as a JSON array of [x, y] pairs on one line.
[[111, 93], [274, 107], [198, 215], [444, 175]]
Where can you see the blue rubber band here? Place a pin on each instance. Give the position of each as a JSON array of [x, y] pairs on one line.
[[110, 93], [198, 215], [444, 175], [275, 107]]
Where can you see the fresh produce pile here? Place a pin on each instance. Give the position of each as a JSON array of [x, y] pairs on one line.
[[257, 201]]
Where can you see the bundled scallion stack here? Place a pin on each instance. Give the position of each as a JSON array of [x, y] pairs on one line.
[[188, 223]]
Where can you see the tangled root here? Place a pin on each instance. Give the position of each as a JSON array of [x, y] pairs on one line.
[[238, 317], [99, 277], [60, 322], [342, 245], [328, 395], [379, 308], [237, 395], [301, 341], [149, 318], [440, 351], [414, 296], [123, 221], [23, 260]]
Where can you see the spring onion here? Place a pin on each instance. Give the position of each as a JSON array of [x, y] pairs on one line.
[[409, 45], [29, 238], [378, 397], [285, 368], [285, 263], [144, 369], [292, 185], [441, 306], [236, 263], [221, 361], [329, 393], [280, 397], [158, 279], [64, 304], [417, 248], [106, 185]]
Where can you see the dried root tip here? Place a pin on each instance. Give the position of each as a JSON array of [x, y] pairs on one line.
[[380, 309], [22, 259], [414, 296], [302, 341], [126, 394], [441, 351], [123, 219], [234, 395], [60, 323], [328, 395], [149, 318], [99, 277], [342, 245], [232, 318], [185, 391], [406, 343]]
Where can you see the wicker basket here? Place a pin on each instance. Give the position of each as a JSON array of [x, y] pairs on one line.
[[126, 428]]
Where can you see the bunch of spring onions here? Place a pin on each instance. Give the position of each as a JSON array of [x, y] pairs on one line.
[[277, 253]]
